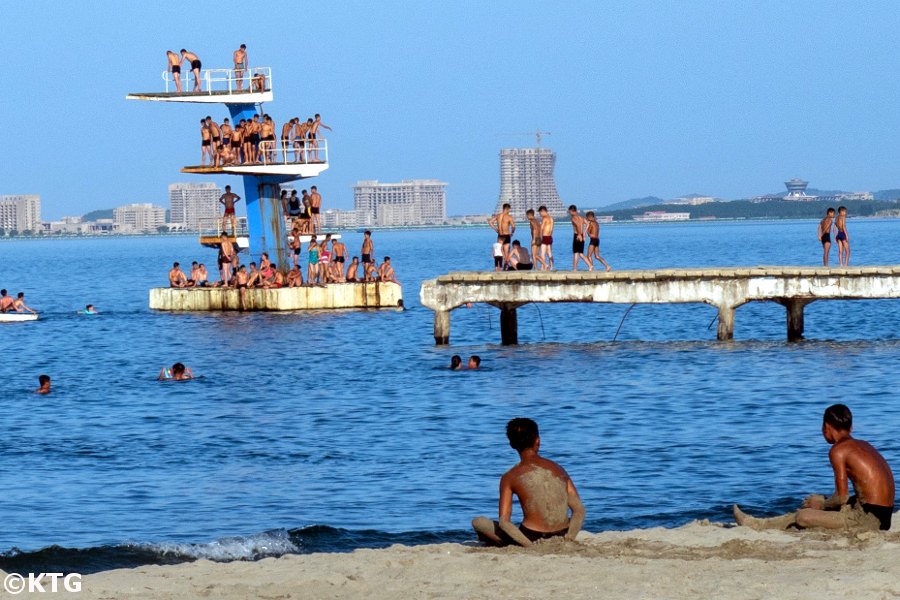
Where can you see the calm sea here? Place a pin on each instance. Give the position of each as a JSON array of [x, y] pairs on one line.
[[336, 430]]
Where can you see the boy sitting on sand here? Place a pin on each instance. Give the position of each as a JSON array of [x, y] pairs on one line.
[[545, 492], [869, 509]]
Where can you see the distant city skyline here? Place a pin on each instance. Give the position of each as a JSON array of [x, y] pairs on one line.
[[661, 98]]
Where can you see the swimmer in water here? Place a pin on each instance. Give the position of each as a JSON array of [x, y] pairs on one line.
[[178, 372], [89, 310], [456, 362], [545, 492], [474, 362], [44, 380], [869, 509]]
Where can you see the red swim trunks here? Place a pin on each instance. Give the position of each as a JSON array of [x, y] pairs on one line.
[[547, 240], [229, 211]]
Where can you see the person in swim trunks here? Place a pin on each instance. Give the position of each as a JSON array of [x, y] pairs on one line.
[[842, 238], [546, 239], [227, 200], [7, 303], [196, 65], [368, 248], [824, 234], [505, 226], [593, 232], [175, 68], [205, 144], [338, 252], [315, 207], [240, 66], [545, 491], [579, 226], [535, 227], [870, 509]]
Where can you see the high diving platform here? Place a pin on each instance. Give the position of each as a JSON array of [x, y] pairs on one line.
[[218, 86], [724, 288]]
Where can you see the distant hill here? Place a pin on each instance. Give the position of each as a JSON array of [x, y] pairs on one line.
[[106, 213], [634, 203], [887, 195], [775, 209]]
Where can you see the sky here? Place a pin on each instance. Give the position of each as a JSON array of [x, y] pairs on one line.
[[728, 99]]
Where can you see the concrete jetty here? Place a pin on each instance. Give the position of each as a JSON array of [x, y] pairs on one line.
[[332, 296], [724, 288]]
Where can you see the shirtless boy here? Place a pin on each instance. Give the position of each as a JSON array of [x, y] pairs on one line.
[[842, 238], [196, 65], [315, 207], [579, 225], [339, 254], [240, 65], [314, 132], [226, 257], [545, 492], [206, 148], [352, 269], [227, 200], [44, 381], [178, 372], [301, 128], [824, 233], [546, 239], [368, 248], [175, 68], [505, 226], [20, 305], [535, 226], [177, 278], [386, 271], [869, 509], [241, 282], [294, 277], [7, 304], [287, 132], [593, 232]]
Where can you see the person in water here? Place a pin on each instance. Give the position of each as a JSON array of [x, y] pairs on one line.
[[89, 310], [7, 304], [20, 305], [869, 509], [456, 362], [44, 381], [545, 491], [178, 372], [474, 362]]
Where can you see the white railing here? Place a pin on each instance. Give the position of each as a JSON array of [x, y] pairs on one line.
[[305, 151], [222, 81], [213, 227]]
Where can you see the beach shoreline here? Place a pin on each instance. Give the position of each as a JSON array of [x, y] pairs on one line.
[[698, 560]]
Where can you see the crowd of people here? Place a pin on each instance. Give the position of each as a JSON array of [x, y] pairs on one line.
[[241, 69], [253, 141], [510, 255], [8, 304]]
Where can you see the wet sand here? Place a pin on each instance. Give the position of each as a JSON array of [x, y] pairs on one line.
[[699, 560]]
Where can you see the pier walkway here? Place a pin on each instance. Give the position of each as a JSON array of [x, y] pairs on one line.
[[724, 288]]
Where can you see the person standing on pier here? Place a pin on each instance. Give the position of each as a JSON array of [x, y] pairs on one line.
[[368, 248], [505, 226], [546, 239], [228, 199], [196, 65], [842, 237], [579, 225], [535, 226], [593, 232], [824, 234], [240, 66], [301, 128], [205, 144], [226, 257], [315, 207], [175, 68]]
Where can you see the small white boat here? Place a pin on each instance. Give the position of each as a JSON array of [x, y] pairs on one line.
[[15, 317]]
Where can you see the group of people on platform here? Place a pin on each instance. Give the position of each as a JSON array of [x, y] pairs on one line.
[[304, 211], [239, 57], [252, 141], [828, 225], [9, 304], [511, 255]]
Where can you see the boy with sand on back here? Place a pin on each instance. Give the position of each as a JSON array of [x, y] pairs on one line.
[[545, 491], [824, 233], [869, 509]]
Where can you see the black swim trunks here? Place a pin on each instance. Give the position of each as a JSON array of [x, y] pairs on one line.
[[366, 259], [314, 209], [498, 261], [542, 535], [595, 242], [524, 266], [505, 238], [195, 64], [176, 69], [205, 143], [339, 259], [577, 245], [825, 239], [882, 513]]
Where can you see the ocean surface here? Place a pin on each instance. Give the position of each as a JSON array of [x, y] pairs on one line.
[[336, 430]]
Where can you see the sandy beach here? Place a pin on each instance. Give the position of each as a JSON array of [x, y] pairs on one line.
[[699, 560]]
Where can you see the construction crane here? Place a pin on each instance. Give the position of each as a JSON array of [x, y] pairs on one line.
[[538, 134]]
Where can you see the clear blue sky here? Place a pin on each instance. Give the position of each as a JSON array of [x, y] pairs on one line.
[[665, 98]]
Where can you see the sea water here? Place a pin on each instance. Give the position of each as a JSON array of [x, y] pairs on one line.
[[327, 431]]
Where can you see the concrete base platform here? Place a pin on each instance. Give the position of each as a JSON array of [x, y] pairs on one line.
[[333, 296]]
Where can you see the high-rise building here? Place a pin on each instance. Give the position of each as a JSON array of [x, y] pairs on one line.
[[20, 213], [410, 202], [135, 218], [189, 203], [526, 181]]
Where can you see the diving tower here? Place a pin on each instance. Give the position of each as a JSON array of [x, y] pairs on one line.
[[266, 230]]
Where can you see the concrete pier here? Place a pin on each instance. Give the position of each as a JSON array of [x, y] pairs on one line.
[[332, 296], [725, 288]]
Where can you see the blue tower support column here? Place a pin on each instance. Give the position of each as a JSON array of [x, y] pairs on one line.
[[265, 219]]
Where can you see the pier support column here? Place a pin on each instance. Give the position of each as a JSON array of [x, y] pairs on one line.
[[509, 325], [265, 219], [725, 329], [441, 327], [794, 308]]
